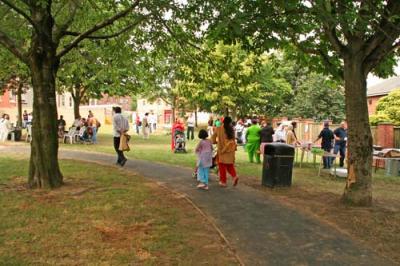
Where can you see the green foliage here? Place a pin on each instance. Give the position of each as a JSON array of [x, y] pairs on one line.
[[317, 97], [231, 80], [379, 118], [388, 107]]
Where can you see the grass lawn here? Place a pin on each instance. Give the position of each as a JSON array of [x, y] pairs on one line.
[[378, 226], [102, 216]]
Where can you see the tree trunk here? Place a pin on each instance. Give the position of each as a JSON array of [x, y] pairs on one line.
[[19, 103], [358, 189], [195, 117], [44, 171], [76, 96]]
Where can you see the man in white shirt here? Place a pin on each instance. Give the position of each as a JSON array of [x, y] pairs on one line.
[[190, 127], [120, 126], [153, 122]]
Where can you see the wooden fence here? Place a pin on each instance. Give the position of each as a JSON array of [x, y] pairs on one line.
[[396, 136], [310, 131]]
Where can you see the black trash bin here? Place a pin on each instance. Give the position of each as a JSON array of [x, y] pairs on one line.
[[277, 165]]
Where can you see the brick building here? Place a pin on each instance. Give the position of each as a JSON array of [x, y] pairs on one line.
[[375, 92]]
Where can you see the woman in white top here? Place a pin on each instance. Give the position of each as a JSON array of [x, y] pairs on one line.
[[280, 134], [5, 127]]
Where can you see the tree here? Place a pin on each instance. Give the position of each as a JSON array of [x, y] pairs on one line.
[[389, 107], [317, 97], [98, 68], [347, 39], [232, 81], [50, 26]]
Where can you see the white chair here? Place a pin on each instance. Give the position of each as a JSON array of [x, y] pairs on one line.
[[70, 135]]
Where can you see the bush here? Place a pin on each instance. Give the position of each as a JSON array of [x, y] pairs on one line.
[[388, 109], [379, 118]]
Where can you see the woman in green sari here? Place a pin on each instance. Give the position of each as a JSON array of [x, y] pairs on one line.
[[253, 141]]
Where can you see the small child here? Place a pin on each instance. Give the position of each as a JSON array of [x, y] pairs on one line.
[[204, 162], [180, 140]]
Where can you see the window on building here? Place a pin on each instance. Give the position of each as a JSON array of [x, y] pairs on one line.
[[63, 100], [144, 102], [70, 101], [370, 101], [12, 96]]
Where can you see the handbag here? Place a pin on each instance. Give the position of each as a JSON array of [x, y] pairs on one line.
[[123, 142]]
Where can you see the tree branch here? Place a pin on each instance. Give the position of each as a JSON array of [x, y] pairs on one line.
[[12, 47], [386, 30], [19, 11], [95, 28], [379, 54], [329, 24], [58, 33], [330, 33], [102, 37]]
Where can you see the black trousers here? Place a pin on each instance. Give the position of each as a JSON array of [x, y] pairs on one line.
[[120, 154], [190, 133]]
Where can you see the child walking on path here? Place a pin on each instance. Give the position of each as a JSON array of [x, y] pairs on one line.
[[204, 162]]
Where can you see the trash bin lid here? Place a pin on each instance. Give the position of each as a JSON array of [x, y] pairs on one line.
[[277, 148]]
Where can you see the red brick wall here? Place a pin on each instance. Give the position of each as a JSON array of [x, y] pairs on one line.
[[5, 100], [372, 102]]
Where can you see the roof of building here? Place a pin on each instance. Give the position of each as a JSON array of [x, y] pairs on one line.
[[384, 87]]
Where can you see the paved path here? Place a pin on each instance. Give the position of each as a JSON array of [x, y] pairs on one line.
[[262, 231]]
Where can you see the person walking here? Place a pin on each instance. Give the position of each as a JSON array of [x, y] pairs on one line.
[[210, 126], [326, 144], [145, 126], [120, 126], [5, 127], [25, 119], [340, 142], [224, 137], [138, 124], [190, 127], [253, 141], [204, 159]]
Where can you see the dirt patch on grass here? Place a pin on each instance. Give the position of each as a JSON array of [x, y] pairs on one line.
[[376, 227], [119, 220]]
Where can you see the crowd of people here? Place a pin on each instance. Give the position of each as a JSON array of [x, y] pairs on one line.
[[87, 127], [254, 134]]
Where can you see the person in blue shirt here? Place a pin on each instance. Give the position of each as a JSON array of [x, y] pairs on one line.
[[326, 144], [340, 142]]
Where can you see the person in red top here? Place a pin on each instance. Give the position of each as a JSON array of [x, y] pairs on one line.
[[178, 125]]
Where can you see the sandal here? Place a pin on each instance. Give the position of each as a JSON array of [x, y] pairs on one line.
[[201, 185], [222, 184], [235, 181]]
